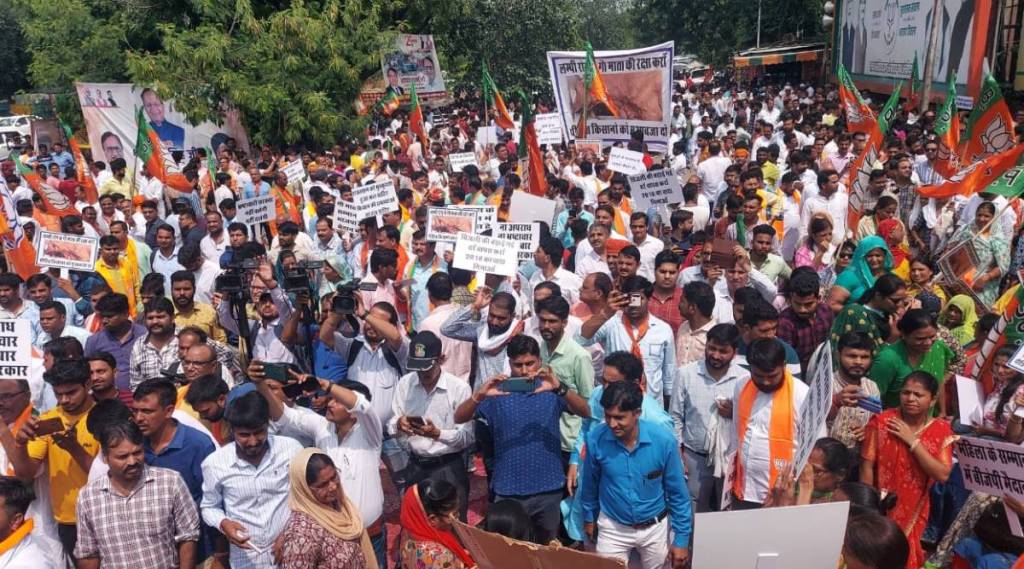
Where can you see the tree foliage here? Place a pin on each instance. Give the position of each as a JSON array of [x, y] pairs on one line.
[[715, 29], [14, 58]]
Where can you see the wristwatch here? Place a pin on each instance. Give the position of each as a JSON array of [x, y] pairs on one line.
[[562, 389]]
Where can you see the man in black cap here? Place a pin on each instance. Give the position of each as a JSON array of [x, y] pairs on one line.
[[424, 418]]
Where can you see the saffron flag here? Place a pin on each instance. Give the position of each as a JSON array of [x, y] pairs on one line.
[[913, 88], [864, 163], [82, 173], [1008, 331], [416, 125], [493, 97], [975, 177], [155, 158], [18, 249], [593, 84], [536, 181], [947, 129], [859, 117], [990, 125], [54, 202]]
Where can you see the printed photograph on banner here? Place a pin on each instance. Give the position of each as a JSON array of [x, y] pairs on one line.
[[638, 83], [66, 251], [485, 254], [412, 60], [486, 216], [15, 348], [109, 113], [588, 149], [444, 224], [959, 267]]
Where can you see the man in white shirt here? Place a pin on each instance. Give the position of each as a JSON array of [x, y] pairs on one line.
[[165, 256], [626, 325], [24, 550], [548, 258], [712, 170], [216, 240], [649, 246], [205, 270], [423, 419], [591, 260], [153, 189], [246, 484], [831, 200], [770, 390]]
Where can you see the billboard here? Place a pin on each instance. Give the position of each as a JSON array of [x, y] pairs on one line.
[[413, 60], [639, 82], [109, 112], [878, 39]]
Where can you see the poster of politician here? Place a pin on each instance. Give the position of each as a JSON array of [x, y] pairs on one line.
[[109, 111], [639, 82], [413, 60], [878, 39]]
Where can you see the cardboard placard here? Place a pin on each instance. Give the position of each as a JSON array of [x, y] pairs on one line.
[[66, 251], [548, 127], [816, 406], [15, 348], [655, 189], [628, 162], [971, 397], [800, 537], [494, 551], [255, 210], [526, 236], [993, 467], [527, 208], [376, 199], [487, 135], [346, 217], [295, 171], [480, 253], [459, 160], [445, 223], [486, 216]]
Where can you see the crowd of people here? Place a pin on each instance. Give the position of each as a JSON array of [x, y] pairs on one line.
[[221, 394]]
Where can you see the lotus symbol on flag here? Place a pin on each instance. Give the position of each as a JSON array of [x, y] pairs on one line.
[[959, 177], [59, 201], [853, 114], [996, 137], [13, 238]]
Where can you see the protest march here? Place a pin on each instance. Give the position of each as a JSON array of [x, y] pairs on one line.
[[735, 319]]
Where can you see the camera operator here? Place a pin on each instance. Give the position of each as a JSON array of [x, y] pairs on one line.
[[273, 310]]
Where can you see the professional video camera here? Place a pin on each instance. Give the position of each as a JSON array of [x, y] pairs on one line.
[[344, 301], [297, 279], [233, 280]]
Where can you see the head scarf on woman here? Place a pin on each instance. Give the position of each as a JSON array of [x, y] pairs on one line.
[[857, 277], [342, 521], [886, 231], [964, 333], [414, 520]]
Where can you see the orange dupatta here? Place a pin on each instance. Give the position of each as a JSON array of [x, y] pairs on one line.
[[780, 430], [16, 536], [641, 332]]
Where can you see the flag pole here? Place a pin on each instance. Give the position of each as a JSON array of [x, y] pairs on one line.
[[586, 103]]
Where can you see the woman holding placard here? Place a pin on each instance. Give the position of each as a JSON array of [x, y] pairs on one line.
[[904, 452]]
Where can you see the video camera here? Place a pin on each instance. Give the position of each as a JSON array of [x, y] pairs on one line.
[[233, 280], [297, 279]]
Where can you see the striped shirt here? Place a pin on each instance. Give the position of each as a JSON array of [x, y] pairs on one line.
[[693, 400], [141, 529], [254, 496]]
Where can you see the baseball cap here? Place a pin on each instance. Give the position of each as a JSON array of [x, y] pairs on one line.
[[424, 350]]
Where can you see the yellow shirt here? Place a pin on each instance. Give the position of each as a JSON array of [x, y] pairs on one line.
[[66, 475], [770, 172], [123, 279], [204, 317], [356, 161], [112, 186]]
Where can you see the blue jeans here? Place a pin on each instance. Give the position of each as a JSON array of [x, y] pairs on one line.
[[380, 546]]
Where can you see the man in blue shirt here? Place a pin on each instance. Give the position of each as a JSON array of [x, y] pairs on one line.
[[634, 480], [170, 444], [524, 427], [62, 158], [575, 210]]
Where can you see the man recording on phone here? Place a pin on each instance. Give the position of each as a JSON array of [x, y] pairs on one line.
[[523, 414], [423, 421]]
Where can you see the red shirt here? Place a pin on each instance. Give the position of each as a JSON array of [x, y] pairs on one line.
[[667, 310]]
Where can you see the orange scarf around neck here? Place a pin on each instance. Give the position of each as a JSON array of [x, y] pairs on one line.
[[635, 338], [780, 429], [11, 541]]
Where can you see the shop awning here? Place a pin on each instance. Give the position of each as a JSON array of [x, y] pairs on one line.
[[776, 55]]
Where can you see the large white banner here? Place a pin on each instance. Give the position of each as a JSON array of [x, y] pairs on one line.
[[109, 111], [639, 82], [413, 60], [879, 38]]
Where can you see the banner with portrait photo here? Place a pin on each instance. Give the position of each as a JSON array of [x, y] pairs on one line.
[[413, 60], [109, 112], [639, 82]]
